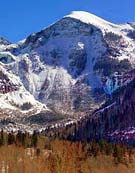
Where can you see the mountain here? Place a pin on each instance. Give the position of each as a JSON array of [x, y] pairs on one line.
[[65, 71]]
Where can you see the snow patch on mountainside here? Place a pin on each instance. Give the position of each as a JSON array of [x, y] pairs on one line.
[[17, 98]]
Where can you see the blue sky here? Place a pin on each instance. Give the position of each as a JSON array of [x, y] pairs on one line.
[[19, 18]]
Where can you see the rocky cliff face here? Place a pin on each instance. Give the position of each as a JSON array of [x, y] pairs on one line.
[[63, 66]]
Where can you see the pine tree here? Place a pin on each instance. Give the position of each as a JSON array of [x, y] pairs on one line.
[[118, 154], [11, 139], [34, 139], [2, 141]]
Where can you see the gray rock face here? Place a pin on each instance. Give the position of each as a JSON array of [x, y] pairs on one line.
[[77, 61]]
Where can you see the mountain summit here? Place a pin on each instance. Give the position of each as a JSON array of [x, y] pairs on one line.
[[89, 18]]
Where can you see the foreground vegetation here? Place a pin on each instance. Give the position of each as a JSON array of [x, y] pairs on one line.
[[24, 153]]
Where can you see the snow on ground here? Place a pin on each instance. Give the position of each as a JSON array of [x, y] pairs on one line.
[[105, 108], [128, 133]]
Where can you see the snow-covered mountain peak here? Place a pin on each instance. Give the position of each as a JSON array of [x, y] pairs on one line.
[[91, 19], [100, 23], [68, 66]]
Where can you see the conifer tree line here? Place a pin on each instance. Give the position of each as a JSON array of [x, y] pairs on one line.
[[20, 139]]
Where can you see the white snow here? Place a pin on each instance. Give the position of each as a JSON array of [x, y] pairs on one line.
[[103, 109], [90, 18]]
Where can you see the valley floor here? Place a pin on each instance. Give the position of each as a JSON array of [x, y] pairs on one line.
[[19, 160], [38, 154]]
